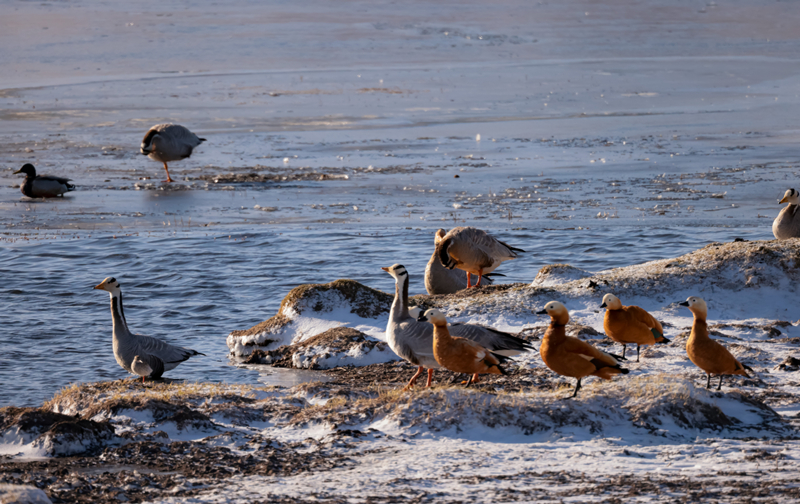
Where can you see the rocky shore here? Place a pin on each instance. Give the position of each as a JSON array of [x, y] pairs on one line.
[[656, 434]]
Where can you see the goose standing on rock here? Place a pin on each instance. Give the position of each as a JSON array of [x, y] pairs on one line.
[[154, 353], [413, 340], [630, 324], [474, 251], [570, 356], [169, 142], [460, 355], [43, 186], [787, 224], [440, 280], [706, 353]]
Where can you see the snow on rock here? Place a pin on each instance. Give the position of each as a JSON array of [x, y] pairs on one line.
[[311, 309], [22, 494], [37, 431], [557, 274], [340, 346]]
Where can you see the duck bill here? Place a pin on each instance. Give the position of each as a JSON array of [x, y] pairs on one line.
[[543, 312], [685, 303], [421, 318], [603, 305], [18, 171]]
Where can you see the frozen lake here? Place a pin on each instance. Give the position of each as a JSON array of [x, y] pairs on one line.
[[341, 137]]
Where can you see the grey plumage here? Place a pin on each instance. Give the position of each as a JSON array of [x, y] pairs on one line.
[[787, 224], [43, 186], [128, 345], [440, 280], [474, 251], [147, 366], [413, 340], [169, 142]]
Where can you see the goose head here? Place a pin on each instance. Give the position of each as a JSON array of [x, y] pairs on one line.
[[149, 142], [109, 285], [440, 233], [28, 170], [415, 312], [557, 311], [791, 196], [696, 305], [433, 316], [611, 302], [139, 365], [398, 271]]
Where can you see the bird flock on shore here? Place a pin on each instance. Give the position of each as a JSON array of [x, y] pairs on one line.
[[426, 339]]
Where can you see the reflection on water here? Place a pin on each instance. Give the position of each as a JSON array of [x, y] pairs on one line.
[[192, 289]]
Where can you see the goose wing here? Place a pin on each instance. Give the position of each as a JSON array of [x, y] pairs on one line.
[[171, 355], [498, 342], [414, 343], [156, 364]]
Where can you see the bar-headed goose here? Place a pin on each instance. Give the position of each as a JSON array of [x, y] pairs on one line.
[[169, 142], [460, 355], [787, 224], [43, 186], [474, 251], [127, 345], [630, 324], [570, 356], [706, 353], [440, 280], [413, 340]]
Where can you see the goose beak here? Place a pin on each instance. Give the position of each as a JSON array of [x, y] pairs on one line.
[[783, 200], [385, 269], [685, 303], [99, 286], [543, 312], [603, 305]]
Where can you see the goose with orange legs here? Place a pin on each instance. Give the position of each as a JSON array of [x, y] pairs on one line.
[[440, 280], [474, 251], [705, 353], [630, 324], [169, 142], [570, 356], [460, 355], [413, 341]]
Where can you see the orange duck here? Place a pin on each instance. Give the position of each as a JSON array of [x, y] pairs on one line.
[[570, 356], [630, 324], [460, 354], [706, 353]]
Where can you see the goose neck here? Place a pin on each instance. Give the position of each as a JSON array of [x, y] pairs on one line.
[[400, 303], [118, 315]]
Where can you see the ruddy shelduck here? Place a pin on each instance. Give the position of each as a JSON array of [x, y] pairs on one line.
[[570, 356], [630, 324], [474, 251], [706, 353], [460, 354]]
